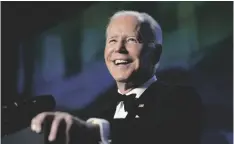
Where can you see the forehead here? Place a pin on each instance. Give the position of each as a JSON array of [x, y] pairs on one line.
[[123, 25]]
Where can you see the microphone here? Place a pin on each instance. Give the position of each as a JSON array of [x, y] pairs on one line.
[[18, 114]]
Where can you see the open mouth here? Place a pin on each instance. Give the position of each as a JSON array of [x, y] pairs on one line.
[[121, 62]]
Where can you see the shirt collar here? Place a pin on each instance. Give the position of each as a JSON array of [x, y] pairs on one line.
[[138, 91]]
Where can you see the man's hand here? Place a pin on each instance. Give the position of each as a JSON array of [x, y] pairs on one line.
[[58, 118]]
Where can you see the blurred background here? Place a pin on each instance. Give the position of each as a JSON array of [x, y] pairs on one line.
[[57, 48]]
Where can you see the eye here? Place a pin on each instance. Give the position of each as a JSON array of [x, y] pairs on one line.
[[112, 41], [134, 40]]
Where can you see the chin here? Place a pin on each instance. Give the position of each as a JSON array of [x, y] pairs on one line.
[[121, 79], [123, 76]]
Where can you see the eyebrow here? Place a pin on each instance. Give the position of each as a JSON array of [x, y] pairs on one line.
[[112, 37], [115, 36]]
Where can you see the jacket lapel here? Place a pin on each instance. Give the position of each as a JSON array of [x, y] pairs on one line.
[[148, 105]]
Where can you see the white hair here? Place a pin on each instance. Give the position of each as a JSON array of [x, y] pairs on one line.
[[144, 18]]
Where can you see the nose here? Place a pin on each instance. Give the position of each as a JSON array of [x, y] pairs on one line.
[[121, 47]]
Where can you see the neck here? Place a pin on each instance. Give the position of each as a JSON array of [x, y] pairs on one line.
[[125, 87]]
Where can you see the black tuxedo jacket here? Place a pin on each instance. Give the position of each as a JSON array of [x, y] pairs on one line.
[[167, 115]]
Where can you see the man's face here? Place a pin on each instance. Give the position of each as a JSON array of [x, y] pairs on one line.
[[124, 51]]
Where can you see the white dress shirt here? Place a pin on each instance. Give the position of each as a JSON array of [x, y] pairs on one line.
[[120, 113]]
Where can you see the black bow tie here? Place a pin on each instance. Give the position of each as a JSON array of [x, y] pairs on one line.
[[129, 101]]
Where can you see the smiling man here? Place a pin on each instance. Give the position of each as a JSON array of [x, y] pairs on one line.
[[144, 110], [130, 52]]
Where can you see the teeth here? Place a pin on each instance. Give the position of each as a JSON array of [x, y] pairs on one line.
[[120, 62]]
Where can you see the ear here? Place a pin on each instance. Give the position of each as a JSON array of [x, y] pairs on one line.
[[156, 53]]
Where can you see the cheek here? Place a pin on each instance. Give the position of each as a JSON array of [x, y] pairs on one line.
[[136, 55], [108, 62], [137, 64], [140, 63], [106, 54]]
